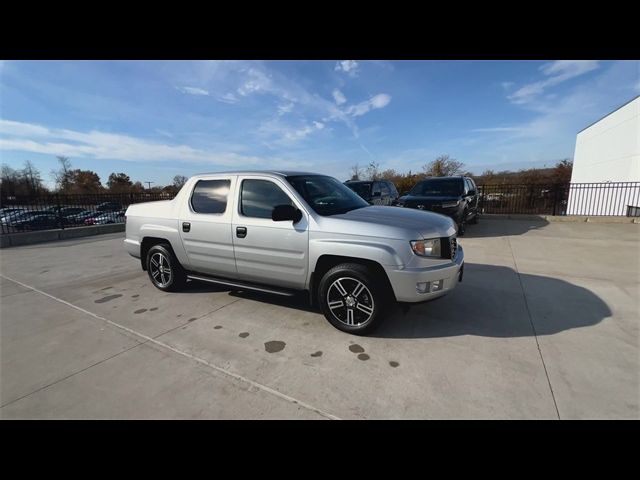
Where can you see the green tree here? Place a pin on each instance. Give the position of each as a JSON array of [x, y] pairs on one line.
[[119, 183]]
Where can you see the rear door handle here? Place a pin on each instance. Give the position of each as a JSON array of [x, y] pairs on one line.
[[241, 232]]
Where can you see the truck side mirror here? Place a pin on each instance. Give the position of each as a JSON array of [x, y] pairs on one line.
[[282, 213]]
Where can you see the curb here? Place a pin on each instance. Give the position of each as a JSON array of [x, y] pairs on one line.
[[560, 219], [29, 238]]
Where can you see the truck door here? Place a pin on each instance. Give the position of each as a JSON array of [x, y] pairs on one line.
[[268, 252], [205, 226]]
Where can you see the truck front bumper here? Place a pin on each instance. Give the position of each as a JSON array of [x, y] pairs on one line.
[[423, 284]]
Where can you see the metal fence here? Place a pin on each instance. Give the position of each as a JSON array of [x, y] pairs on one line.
[[592, 199], [27, 213], [43, 212]]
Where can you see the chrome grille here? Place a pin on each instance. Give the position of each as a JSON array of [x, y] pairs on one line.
[[453, 247]]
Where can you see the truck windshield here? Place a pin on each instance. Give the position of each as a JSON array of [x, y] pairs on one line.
[[438, 187], [326, 195]]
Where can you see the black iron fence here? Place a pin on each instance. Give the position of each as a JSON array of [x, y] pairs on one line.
[[43, 212], [27, 213], [592, 199]]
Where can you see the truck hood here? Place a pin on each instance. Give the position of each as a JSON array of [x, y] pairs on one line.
[[381, 219]]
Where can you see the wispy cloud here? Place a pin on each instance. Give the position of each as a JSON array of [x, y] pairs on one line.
[[193, 91], [228, 98], [379, 101], [26, 137], [285, 108], [556, 73], [339, 97], [350, 67]]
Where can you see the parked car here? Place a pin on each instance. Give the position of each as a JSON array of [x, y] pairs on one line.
[[379, 192], [108, 207], [108, 217], [10, 213], [456, 197], [36, 221], [287, 232], [16, 216]]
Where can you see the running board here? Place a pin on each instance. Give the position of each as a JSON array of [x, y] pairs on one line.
[[241, 286]]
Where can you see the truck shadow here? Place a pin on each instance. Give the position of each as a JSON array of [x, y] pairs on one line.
[[501, 227], [496, 301], [490, 302]]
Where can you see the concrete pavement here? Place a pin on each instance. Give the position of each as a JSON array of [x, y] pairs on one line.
[[544, 325]]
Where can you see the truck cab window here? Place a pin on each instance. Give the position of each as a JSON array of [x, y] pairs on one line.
[[259, 197]]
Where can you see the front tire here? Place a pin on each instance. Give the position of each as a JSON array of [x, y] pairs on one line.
[[351, 300], [165, 272]]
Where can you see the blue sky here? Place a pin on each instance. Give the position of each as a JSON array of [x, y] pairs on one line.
[[156, 119]]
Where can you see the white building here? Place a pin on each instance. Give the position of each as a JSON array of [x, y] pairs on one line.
[[608, 151]]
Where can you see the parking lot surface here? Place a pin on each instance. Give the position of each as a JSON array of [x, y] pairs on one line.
[[543, 326]]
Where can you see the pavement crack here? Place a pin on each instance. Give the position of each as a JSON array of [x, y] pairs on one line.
[[533, 327], [202, 361], [73, 374]]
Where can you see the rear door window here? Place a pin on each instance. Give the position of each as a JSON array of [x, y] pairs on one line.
[[210, 196]]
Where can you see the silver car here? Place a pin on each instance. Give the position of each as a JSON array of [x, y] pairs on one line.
[[286, 232]]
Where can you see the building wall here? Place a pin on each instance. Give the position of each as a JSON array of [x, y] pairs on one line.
[[608, 151]]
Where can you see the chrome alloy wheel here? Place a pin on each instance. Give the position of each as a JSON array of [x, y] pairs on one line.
[[350, 301], [160, 269]]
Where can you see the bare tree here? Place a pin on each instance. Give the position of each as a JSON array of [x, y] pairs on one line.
[[32, 178], [356, 172], [443, 166], [179, 181], [63, 176], [373, 171]]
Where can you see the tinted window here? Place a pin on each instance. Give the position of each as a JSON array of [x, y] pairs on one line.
[[260, 197], [361, 188], [210, 196], [385, 188], [376, 188], [439, 187], [326, 195], [392, 189]]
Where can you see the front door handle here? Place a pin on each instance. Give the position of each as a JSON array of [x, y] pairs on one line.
[[241, 232]]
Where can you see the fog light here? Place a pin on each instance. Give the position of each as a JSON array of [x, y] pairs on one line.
[[422, 287], [437, 286]]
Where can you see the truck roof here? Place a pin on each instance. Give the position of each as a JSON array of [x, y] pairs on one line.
[[278, 173]]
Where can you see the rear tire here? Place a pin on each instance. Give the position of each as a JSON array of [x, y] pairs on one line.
[[165, 272], [351, 299]]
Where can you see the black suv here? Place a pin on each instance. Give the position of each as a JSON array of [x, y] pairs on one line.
[[378, 192], [456, 197]]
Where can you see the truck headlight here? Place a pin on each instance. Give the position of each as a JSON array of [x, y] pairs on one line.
[[426, 248], [451, 204]]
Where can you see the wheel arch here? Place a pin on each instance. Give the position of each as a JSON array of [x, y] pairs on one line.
[[328, 261], [147, 243]]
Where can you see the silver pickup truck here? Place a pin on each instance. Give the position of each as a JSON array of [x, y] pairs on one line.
[[287, 232]]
